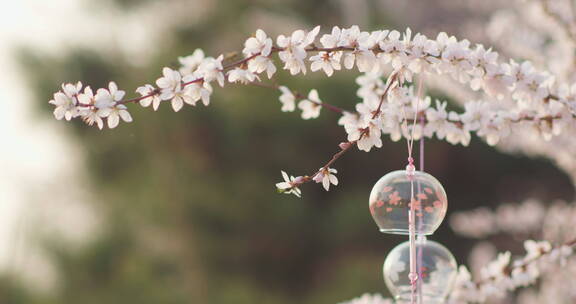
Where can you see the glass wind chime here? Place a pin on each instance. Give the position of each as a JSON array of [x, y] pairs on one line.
[[414, 203]]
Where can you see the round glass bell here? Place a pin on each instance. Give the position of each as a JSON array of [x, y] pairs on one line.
[[436, 272], [390, 201]]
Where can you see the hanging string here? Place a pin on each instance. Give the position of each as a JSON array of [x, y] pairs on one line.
[[422, 239], [410, 171], [422, 143]]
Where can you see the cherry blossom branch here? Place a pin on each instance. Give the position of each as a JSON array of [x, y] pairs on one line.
[[553, 223], [548, 118], [291, 184], [541, 250], [300, 96], [371, 53], [502, 275], [197, 80], [236, 64], [428, 55]]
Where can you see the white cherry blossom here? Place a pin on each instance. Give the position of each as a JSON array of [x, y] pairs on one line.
[[456, 60], [106, 98], [191, 62], [365, 140], [423, 53], [71, 89], [310, 107], [153, 96], [66, 101], [169, 83], [242, 75], [259, 44], [437, 122], [173, 89], [210, 69], [85, 100], [497, 267], [327, 61], [197, 90], [362, 55], [294, 49], [88, 111], [287, 99], [393, 49], [260, 64], [333, 39], [535, 249], [458, 135], [326, 176], [494, 81], [475, 114], [117, 112], [289, 185], [524, 276], [92, 117]]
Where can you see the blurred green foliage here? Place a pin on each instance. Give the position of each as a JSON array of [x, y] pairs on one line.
[[193, 215]]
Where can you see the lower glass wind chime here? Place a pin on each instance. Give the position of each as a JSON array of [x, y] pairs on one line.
[[414, 203]]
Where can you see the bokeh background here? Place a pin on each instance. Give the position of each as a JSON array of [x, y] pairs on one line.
[[181, 207]]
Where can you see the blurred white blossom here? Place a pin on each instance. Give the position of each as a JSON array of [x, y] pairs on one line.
[[311, 106]]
